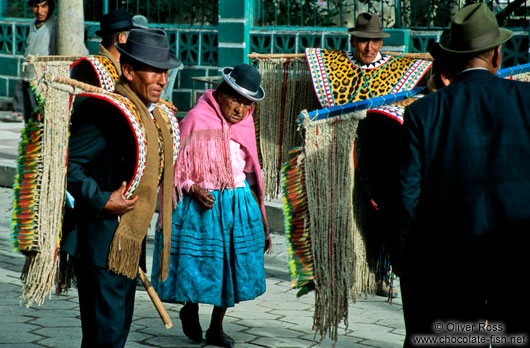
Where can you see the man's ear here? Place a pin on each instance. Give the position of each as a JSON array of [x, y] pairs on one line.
[[497, 57], [127, 71], [122, 38]]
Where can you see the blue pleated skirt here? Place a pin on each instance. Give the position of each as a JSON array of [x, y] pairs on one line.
[[216, 254]]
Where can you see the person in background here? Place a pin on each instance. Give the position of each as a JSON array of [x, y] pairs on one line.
[[41, 41], [103, 70], [366, 38]]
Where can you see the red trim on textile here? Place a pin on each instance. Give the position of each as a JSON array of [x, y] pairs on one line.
[[381, 112]]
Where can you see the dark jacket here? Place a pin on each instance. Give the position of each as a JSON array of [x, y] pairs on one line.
[[101, 155], [464, 185]]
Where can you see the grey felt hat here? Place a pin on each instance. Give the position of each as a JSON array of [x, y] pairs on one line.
[[150, 47], [368, 26]]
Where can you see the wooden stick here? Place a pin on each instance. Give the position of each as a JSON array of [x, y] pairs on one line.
[[74, 83], [155, 299], [255, 55]]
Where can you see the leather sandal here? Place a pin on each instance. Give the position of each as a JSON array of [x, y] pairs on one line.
[[219, 339], [190, 324]]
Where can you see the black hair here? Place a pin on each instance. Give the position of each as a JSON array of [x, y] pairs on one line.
[[226, 89], [108, 40], [51, 3]]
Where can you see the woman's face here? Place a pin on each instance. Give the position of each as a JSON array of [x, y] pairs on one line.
[[234, 108]]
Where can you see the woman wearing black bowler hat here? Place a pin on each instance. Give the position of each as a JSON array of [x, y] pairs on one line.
[[219, 227]]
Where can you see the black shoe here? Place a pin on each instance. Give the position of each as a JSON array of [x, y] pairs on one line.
[[219, 340], [190, 324]]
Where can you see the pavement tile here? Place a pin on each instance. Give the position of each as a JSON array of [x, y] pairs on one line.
[[280, 342], [277, 319], [288, 304], [18, 335], [274, 332], [63, 322]]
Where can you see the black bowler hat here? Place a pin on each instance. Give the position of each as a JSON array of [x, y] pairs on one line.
[[245, 80], [149, 47], [115, 21]]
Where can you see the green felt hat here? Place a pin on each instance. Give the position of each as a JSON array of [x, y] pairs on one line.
[[474, 29]]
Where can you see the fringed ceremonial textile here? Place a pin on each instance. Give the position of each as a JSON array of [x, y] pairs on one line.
[[289, 90], [97, 70], [521, 77], [297, 222], [338, 78], [337, 253], [40, 180]]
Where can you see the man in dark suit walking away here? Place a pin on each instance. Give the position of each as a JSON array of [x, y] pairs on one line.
[[464, 191], [121, 149]]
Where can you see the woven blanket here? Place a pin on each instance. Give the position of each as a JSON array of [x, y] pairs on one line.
[[338, 78]]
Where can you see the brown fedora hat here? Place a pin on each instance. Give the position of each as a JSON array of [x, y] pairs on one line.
[[368, 26], [474, 29]]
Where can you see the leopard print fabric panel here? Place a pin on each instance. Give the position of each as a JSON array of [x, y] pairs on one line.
[[338, 78]]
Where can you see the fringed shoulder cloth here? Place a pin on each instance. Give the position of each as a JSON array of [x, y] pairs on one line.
[[205, 150]]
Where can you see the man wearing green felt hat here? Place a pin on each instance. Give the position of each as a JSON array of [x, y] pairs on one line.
[[464, 217]]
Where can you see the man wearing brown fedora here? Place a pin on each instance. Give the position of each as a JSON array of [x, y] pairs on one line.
[[112, 136], [367, 38], [464, 217]]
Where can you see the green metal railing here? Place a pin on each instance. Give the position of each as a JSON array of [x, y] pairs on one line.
[[196, 12], [416, 14], [393, 13]]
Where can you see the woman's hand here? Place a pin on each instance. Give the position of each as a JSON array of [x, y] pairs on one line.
[[202, 196]]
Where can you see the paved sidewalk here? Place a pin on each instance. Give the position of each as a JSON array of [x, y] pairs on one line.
[[278, 319]]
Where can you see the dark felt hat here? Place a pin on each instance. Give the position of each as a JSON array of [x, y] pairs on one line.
[[115, 21], [149, 47], [245, 80], [368, 26], [474, 29]]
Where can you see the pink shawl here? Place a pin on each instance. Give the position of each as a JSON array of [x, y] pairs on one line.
[[205, 149]]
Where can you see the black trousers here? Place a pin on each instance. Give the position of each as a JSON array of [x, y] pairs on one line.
[[451, 300], [106, 302], [23, 99]]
